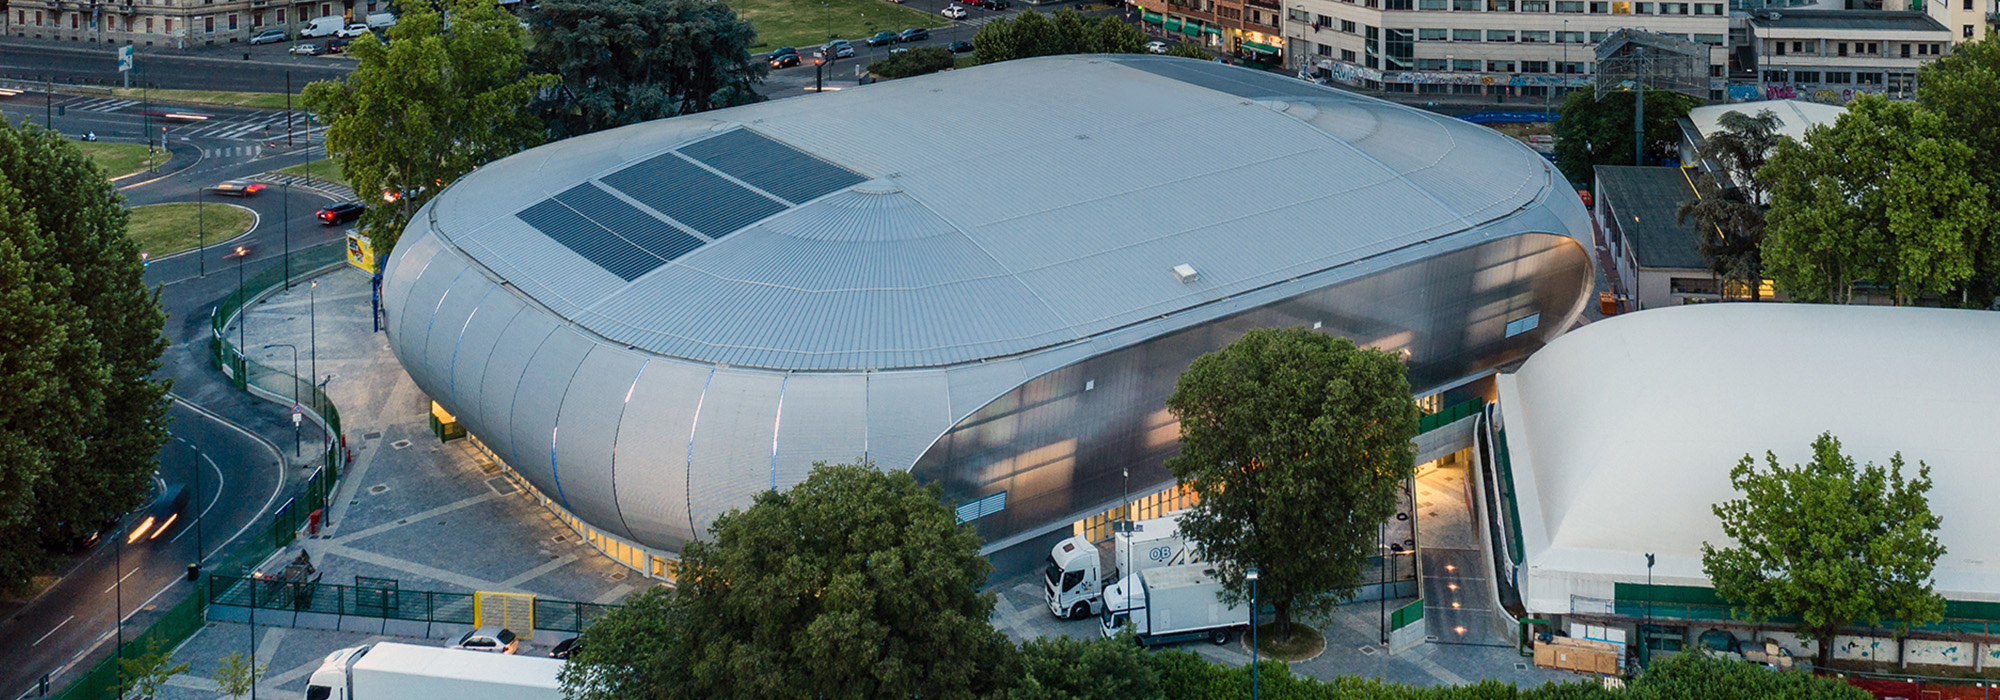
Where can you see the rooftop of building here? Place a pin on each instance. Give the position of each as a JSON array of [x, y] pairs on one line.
[[1645, 200], [1864, 20], [1795, 117], [976, 213]]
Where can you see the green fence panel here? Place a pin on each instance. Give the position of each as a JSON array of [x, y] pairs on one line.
[[1407, 615]]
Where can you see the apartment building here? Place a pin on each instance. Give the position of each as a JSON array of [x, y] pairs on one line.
[[1503, 48], [1247, 27], [176, 23], [1832, 55]]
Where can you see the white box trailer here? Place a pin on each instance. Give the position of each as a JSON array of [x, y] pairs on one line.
[[392, 671], [1076, 574], [1174, 604]]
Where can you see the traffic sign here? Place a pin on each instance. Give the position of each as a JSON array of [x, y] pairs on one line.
[[125, 58], [297, 414]]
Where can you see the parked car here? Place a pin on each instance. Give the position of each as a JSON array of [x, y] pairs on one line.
[[499, 640], [1156, 47], [307, 49], [269, 36], [782, 50], [959, 47], [784, 60], [381, 20], [954, 12], [237, 188], [882, 39], [899, 49], [566, 647], [838, 48], [997, 5], [352, 30], [321, 26], [334, 46], [340, 213], [913, 34]]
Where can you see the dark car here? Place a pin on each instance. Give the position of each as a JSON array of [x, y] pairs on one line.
[[784, 60], [914, 34], [998, 4], [340, 213], [959, 47], [782, 50], [566, 647], [337, 45], [882, 39]]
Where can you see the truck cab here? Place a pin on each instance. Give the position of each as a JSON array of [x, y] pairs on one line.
[[329, 681], [1075, 573]]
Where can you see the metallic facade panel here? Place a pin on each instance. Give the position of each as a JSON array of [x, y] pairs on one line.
[[589, 239], [697, 198], [732, 443], [824, 418], [771, 166], [626, 221], [1253, 84], [478, 334], [402, 269], [441, 347], [545, 384], [587, 434], [906, 412], [653, 436], [421, 302], [493, 416]]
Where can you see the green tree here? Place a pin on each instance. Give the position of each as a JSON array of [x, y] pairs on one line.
[[1698, 675], [143, 675], [1828, 542], [1885, 196], [641, 649], [852, 584], [1031, 34], [1728, 212], [923, 61], [1591, 132], [1959, 88], [1189, 49], [109, 417], [1063, 668], [628, 61], [428, 107], [1296, 442], [32, 335], [234, 676]]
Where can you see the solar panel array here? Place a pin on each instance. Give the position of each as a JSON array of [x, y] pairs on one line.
[[629, 242]]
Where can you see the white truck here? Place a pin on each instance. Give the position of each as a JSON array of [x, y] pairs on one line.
[[1173, 604], [1075, 575], [391, 671], [323, 26]]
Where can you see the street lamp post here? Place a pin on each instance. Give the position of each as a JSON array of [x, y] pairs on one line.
[[118, 598], [1251, 576], [286, 201], [297, 451], [312, 339], [1649, 603], [201, 225], [242, 322]]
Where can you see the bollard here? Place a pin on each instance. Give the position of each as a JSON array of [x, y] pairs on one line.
[[194, 571]]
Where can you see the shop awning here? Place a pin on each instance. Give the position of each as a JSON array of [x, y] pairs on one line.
[[1191, 29], [1211, 30], [1173, 24], [1152, 18], [1255, 47]]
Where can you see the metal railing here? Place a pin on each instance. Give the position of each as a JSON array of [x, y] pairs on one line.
[[381, 599]]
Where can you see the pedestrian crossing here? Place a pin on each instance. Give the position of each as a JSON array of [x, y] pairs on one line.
[[233, 152], [265, 126], [97, 104]]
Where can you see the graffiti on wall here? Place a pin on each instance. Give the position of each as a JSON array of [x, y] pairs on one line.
[[1350, 73]]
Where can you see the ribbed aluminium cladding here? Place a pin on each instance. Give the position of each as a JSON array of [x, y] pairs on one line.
[[918, 249]]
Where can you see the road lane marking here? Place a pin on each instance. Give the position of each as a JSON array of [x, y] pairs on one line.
[[121, 579], [52, 630]]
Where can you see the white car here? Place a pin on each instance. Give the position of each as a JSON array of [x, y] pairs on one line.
[[352, 30], [494, 639], [1156, 47], [954, 12]]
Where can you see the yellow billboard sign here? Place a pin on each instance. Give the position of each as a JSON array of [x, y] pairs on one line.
[[360, 253]]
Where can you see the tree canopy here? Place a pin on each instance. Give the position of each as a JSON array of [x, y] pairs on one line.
[[428, 107], [1828, 542], [1591, 132], [1728, 211], [1032, 33], [1063, 668], [1960, 89], [79, 340], [1886, 196], [628, 61], [853, 584], [1295, 442], [929, 59]]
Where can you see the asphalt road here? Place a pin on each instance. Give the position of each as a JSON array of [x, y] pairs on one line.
[[205, 68]]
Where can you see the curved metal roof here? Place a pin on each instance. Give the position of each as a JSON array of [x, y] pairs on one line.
[[979, 213]]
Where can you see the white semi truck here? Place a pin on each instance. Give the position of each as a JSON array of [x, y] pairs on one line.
[[1173, 604], [391, 671], [1076, 575]]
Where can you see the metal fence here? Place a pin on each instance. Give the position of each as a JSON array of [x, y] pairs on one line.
[[383, 599], [1449, 415]]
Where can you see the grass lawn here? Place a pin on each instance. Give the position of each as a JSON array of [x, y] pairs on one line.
[[327, 169], [164, 229], [804, 23], [259, 100], [117, 159]]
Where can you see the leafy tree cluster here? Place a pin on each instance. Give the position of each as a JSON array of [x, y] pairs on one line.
[[929, 59], [1896, 195], [1032, 33], [1189, 49], [1591, 132], [79, 339], [627, 61], [424, 109], [1296, 442], [1829, 542], [1728, 209]]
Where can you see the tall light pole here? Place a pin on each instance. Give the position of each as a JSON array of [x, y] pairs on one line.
[[297, 451], [201, 223], [312, 324], [118, 599], [286, 201], [242, 322], [1251, 576], [1649, 604]]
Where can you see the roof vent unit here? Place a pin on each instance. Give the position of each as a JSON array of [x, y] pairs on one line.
[[1185, 273]]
